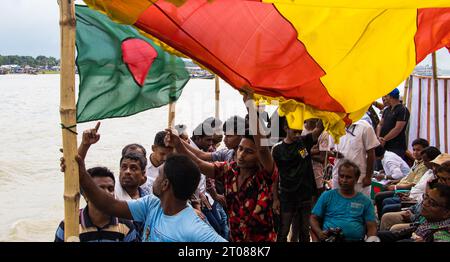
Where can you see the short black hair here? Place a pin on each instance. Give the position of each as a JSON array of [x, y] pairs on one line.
[[136, 157], [134, 145], [420, 141], [101, 171], [444, 168], [183, 174], [444, 191], [379, 151], [159, 139], [431, 152], [234, 124], [347, 163]]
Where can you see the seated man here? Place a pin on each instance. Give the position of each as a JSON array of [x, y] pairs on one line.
[[394, 167], [398, 220], [167, 217], [344, 208], [436, 211], [395, 203], [417, 171], [96, 226]]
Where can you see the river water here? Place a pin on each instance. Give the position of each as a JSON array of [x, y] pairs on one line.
[[31, 186]]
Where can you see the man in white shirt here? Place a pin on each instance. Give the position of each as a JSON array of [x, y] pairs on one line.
[[394, 167], [357, 146], [156, 159]]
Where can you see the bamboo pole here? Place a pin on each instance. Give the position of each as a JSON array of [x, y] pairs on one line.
[[419, 116], [445, 114], [216, 78], [436, 100], [171, 117], [428, 108], [68, 119]]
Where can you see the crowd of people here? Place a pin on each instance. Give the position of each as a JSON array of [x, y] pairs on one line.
[[224, 184]]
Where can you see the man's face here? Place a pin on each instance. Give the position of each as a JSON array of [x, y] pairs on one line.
[[160, 182], [443, 178], [232, 141], [417, 149], [292, 134], [204, 142], [131, 174], [426, 161], [434, 206], [105, 183], [247, 157], [347, 178], [160, 153], [385, 100], [310, 124]]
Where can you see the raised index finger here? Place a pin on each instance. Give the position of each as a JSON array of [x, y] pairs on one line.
[[97, 126]]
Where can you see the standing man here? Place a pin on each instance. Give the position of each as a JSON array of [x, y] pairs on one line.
[[392, 128], [357, 145], [248, 185], [297, 182], [156, 159]]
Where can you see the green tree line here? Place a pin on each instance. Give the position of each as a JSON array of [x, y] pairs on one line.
[[28, 60]]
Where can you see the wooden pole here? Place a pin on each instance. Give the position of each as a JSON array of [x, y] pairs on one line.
[[445, 114], [171, 117], [419, 116], [428, 108], [68, 120], [436, 100], [216, 78]]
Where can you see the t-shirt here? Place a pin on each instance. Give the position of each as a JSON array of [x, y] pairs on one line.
[[358, 139], [390, 117], [223, 155], [297, 182], [350, 214], [185, 226]]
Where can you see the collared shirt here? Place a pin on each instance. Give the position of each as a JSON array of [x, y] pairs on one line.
[[434, 232], [418, 190], [250, 206], [359, 138], [391, 116], [417, 171], [152, 173], [394, 166], [117, 230]]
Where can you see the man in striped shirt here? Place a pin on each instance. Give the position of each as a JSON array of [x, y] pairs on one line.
[[96, 226]]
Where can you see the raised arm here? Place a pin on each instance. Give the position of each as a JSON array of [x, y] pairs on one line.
[[318, 130], [90, 137], [174, 141], [102, 200], [206, 156], [263, 151]]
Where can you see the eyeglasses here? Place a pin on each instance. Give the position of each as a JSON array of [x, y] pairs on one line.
[[429, 202]]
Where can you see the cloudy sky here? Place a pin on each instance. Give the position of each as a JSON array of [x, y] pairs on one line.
[[31, 27]]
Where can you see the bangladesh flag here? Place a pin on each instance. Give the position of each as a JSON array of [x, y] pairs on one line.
[[121, 72]]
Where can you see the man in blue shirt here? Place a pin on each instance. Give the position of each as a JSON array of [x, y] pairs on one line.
[[345, 208], [166, 217]]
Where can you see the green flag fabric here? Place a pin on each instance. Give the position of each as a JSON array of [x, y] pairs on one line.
[[121, 72]]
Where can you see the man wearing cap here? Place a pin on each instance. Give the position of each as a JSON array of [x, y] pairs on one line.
[[391, 130]]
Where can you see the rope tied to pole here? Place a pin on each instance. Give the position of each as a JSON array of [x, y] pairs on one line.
[[69, 128]]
